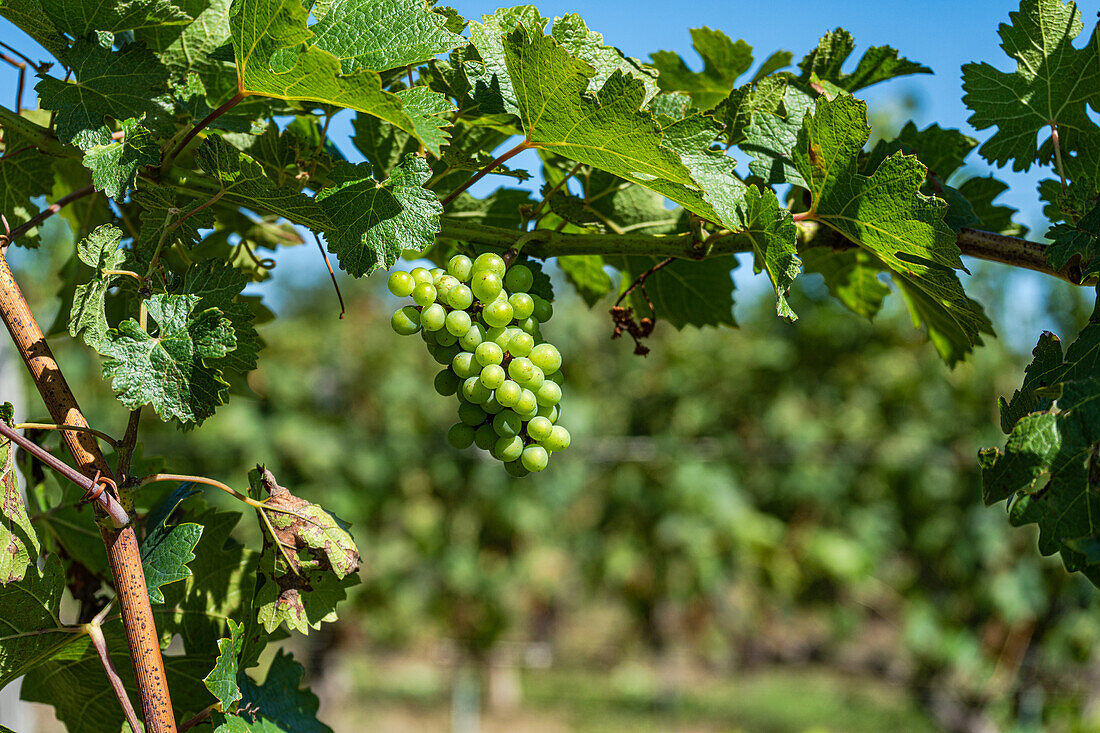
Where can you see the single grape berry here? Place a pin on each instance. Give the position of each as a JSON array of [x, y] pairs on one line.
[[460, 297], [543, 309], [521, 344], [460, 266], [458, 323], [534, 458], [485, 437], [519, 279], [509, 449], [424, 294], [521, 369], [444, 337], [485, 285], [558, 439], [464, 365], [489, 261], [433, 317], [522, 306], [473, 337], [447, 383], [493, 376], [497, 313], [548, 394], [421, 275], [488, 353], [471, 414], [507, 423], [516, 469], [401, 283], [539, 428], [527, 405], [546, 357], [406, 321], [460, 436], [508, 394]]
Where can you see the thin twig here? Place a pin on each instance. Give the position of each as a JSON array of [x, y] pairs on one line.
[[331, 274], [205, 205], [126, 446], [158, 477], [100, 644], [640, 280], [228, 105], [201, 716], [553, 190], [22, 67], [1057, 153], [10, 236], [524, 145], [53, 426]]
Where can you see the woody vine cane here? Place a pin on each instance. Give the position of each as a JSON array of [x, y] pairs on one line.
[[121, 542]]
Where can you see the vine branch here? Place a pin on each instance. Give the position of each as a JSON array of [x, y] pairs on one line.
[[10, 236], [486, 171]]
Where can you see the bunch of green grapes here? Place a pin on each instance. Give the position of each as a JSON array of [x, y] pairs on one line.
[[478, 319]]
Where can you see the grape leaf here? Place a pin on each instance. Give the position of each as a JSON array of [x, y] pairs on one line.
[[167, 548], [744, 104], [772, 135], [586, 274], [122, 84], [167, 371], [1052, 84], [222, 680], [943, 151], [886, 215], [488, 76], [724, 60], [266, 34], [281, 699], [244, 182], [25, 174], [190, 48], [29, 16], [373, 222], [381, 34], [587, 45], [980, 193], [100, 251], [1080, 240], [19, 545], [114, 166], [31, 605], [878, 63], [770, 229], [1045, 370], [383, 145], [430, 112], [219, 285], [78, 18], [684, 293], [852, 277]]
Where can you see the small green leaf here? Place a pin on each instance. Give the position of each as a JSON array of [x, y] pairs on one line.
[[114, 166], [1081, 240], [222, 680], [770, 229], [772, 134], [99, 251], [219, 285], [852, 277], [280, 701], [168, 371], [28, 609], [168, 548], [724, 60], [19, 546], [373, 222], [123, 84], [879, 63], [586, 274]]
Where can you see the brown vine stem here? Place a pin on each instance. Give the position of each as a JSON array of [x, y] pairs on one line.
[[1057, 153], [501, 159], [50, 426], [22, 67], [228, 105], [640, 280], [10, 236], [331, 274], [100, 643], [123, 551]]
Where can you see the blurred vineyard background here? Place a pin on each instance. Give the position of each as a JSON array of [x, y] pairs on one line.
[[777, 528]]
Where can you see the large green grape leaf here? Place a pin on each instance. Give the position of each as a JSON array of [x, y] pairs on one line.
[[887, 215], [168, 370], [74, 683], [243, 181], [123, 84], [222, 680], [1051, 86], [219, 285], [27, 608], [114, 165], [19, 545], [268, 38], [381, 34], [25, 174], [79, 18], [771, 231], [280, 702], [1046, 469], [99, 251], [168, 548], [29, 16], [878, 63], [373, 222]]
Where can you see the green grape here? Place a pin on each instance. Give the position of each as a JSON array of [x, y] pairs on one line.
[[527, 405], [488, 353], [507, 423], [504, 338], [535, 458], [473, 337], [401, 283], [522, 306], [546, 357], [471, 414], [558, 440], [424, 294], [460, 297], [436, 272], [549, 412], [539, 428], [458, 323], [534, 382], [508, 394], [446, 382], [491, 405], [475, 391], [493, 376], [543, 309], [531, 326], [460, 436], [521, 344], [489, 261], [445, 287], [548, 394], [519, 279], [508, 449], [445, 354], [521, 369], [433, 317], [516, 469], [556, 377], [497, 313], [421, 275], [460, 266], [485, 437], [445, 338], [406, 321], [485, 285], [465, 366]]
